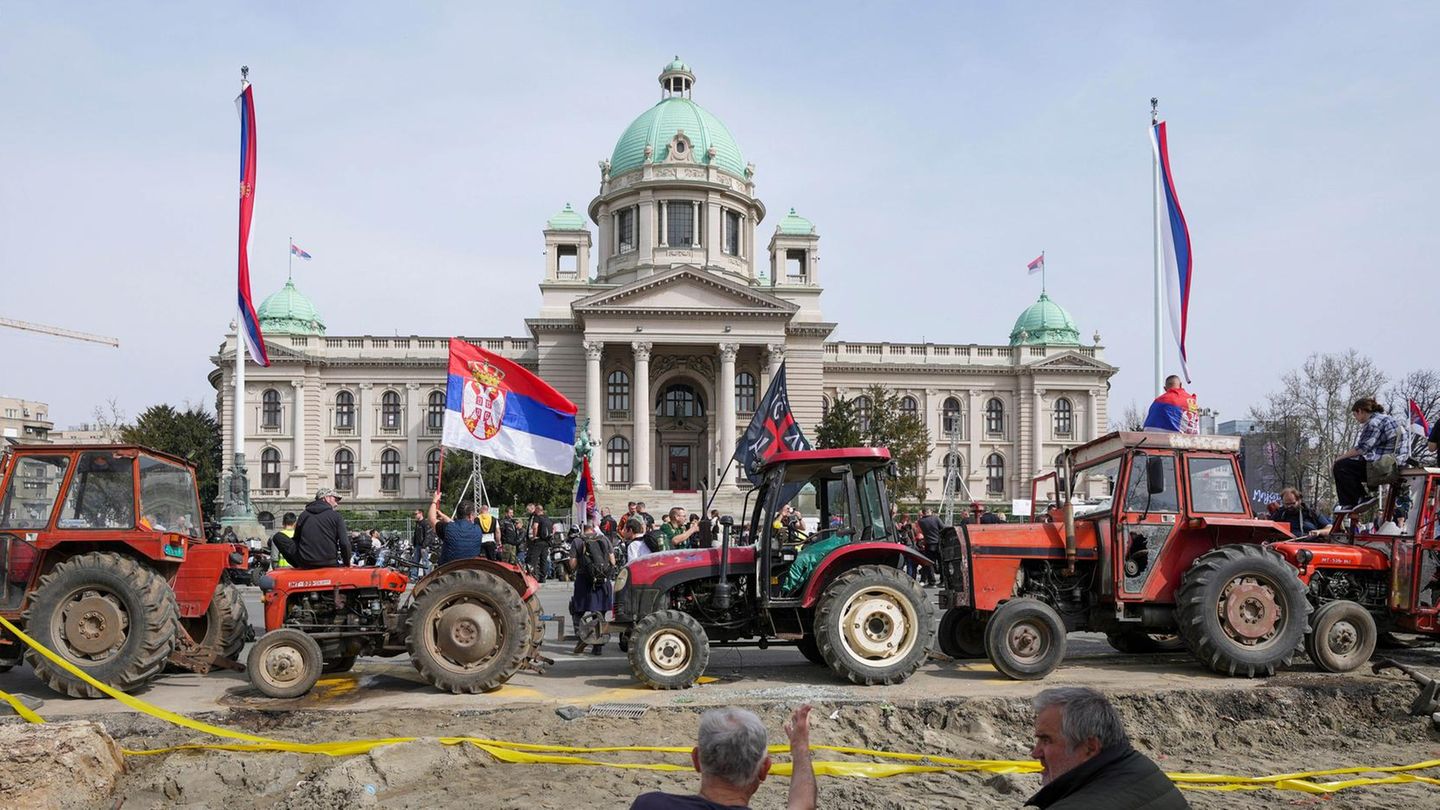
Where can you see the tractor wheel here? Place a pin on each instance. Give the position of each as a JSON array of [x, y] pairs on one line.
[[961, 634], [1136, 642], [284, 663], [1242, 610], [873, 625], [810, 648], [537, 627], [1025, 639], [668, 650], [1343, 637], [223, 626], [108, 615], [336, 665], [469, 631]]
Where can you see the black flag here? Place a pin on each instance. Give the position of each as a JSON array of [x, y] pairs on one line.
[[773, 429]]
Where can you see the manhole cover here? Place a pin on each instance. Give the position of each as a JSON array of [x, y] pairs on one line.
[[630, 711]]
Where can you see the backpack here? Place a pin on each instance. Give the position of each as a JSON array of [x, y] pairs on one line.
[[654, 541], [595, 560]]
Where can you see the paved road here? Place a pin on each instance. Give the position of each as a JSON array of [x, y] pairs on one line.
[[741, 675]]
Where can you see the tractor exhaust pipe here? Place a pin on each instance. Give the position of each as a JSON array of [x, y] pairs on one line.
[[721, 598], [1066, 485]]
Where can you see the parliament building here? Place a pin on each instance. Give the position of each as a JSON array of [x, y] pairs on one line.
[[664, 308]]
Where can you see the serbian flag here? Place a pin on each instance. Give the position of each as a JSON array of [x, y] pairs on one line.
[[1174, 247], [497, 409], [1036, 266], [1418, 423], [1175, 411], [771, 430], [249, 324], [296, 251], [585, 495]]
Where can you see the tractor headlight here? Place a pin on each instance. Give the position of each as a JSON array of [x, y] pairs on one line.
[[622, 578]]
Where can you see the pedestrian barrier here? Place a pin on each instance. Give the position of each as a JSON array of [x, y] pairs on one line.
[[536, 754]]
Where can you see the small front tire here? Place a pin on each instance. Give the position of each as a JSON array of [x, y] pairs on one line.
[[1025, 639], [284, 663], [1342, 637], [669, 650]]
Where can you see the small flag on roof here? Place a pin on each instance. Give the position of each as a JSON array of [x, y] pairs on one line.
[[295, 250], [1037, 266]]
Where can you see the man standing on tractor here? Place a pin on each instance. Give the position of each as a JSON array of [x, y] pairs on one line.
[[1175, 410], [321, 540]]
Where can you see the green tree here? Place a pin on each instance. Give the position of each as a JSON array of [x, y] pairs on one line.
[[506, 484], [192, 434], [907, 437], [840, 426]]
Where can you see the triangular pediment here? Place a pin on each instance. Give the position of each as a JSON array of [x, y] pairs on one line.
[[685, 290], [1070, 360]]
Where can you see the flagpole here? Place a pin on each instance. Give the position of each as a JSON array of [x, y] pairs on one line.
[[1159, 278], [290, 261], [238, 406], [1042, 272]]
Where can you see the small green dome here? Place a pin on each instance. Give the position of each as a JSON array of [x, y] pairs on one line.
[[1044, 322], [289, 312], [676, 66], [796, 225], [566, 220]]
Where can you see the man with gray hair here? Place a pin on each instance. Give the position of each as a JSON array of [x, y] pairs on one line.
[[1087, 760], [731, 757]]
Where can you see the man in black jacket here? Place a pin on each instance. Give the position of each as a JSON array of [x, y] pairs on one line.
[[1087, 759], [320, 537]]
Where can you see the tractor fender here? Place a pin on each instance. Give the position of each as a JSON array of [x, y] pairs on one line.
[[852, 555], [512, 574]]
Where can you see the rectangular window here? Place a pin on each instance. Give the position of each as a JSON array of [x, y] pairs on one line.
[[167, 497], [1139, 498], [29, 507], [625, 230], [731, 245], [680, 223], [1213, 487], [102, 494]]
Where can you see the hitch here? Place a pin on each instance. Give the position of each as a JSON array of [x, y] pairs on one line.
[[1428, 701]]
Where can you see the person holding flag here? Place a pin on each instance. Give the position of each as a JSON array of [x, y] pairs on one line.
[[1175, 410]]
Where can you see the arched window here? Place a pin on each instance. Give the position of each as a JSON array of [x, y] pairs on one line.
[[435, 411], [746, 392], [862, 413], [617, 391], [432, 470], [270, 409], [1064, 417], [680, 400], [617, 459], [995, 474], [390, 471], [909, 407], [344, 470], [824, 406], [950, 421], [345, 411], [959, 465], [995, 417], [269, 468], [390, 410]]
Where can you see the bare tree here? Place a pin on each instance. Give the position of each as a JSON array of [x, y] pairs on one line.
[[109, 420], [1308, 423], [1132, 418], [1423, 388]]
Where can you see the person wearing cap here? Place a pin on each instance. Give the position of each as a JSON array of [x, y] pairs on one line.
[[321, 540]]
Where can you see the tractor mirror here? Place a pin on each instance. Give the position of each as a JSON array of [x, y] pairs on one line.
[[1154, 474], [892, 470]]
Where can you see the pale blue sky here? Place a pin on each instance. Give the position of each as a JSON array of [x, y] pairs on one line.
[[417, 149]]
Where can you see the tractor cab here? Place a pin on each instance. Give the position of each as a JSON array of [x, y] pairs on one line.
[[810, 504]]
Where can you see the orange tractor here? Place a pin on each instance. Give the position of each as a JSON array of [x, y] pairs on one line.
[[1147, 536], [102, 561]]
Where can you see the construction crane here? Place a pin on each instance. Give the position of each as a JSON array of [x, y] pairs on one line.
[[58, 332]]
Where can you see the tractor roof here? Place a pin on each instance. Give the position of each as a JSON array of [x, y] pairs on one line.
[[803, 464], [56, 449], [1130, 440]]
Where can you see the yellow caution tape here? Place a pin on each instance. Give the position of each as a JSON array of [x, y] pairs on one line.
[[541, 754]]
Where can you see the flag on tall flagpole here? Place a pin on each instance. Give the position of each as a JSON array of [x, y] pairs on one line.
[[249, 323], [585, 507], [296, 251], [496, 408], [1037, 266], [1174, 247]]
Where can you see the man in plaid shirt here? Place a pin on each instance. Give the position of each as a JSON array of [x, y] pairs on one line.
[[1379, 435]]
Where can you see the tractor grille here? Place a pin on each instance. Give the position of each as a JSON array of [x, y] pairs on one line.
[[626, 711]]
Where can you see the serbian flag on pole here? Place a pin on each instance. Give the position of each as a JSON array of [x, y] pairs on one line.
[[1174, 248], [249, 324], [295, 250], [497, 409], [585, 507], [1036, 266], [1418, 422]]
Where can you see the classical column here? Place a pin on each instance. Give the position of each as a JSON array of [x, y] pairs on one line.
[[640, 406], [1037, 413], [364, 427], [1096, 429], [774, 356], [974, 463], [593, 402], [414, 422], [726, 409], [297, 447]]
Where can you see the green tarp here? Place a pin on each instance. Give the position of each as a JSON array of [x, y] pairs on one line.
[[809, 557]]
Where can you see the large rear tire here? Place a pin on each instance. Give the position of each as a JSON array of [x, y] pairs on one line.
[[1025, 639], [224, 625], [668, 650], [108, 615], [962, 634], [1343, 637], [873, 625], [284, 663], [809, 648], [1242, 610], [469, 631], [1137, 642]]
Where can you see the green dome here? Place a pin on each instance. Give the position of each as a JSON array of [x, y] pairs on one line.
[[796, 225], [676, 66], [657, 126], [1044, 322], [566, 220], [289, 312]]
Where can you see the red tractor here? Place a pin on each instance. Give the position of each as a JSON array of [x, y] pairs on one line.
[[840, 594], [104, 563], [468, 626], [1378, 570], [1163, 543]]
